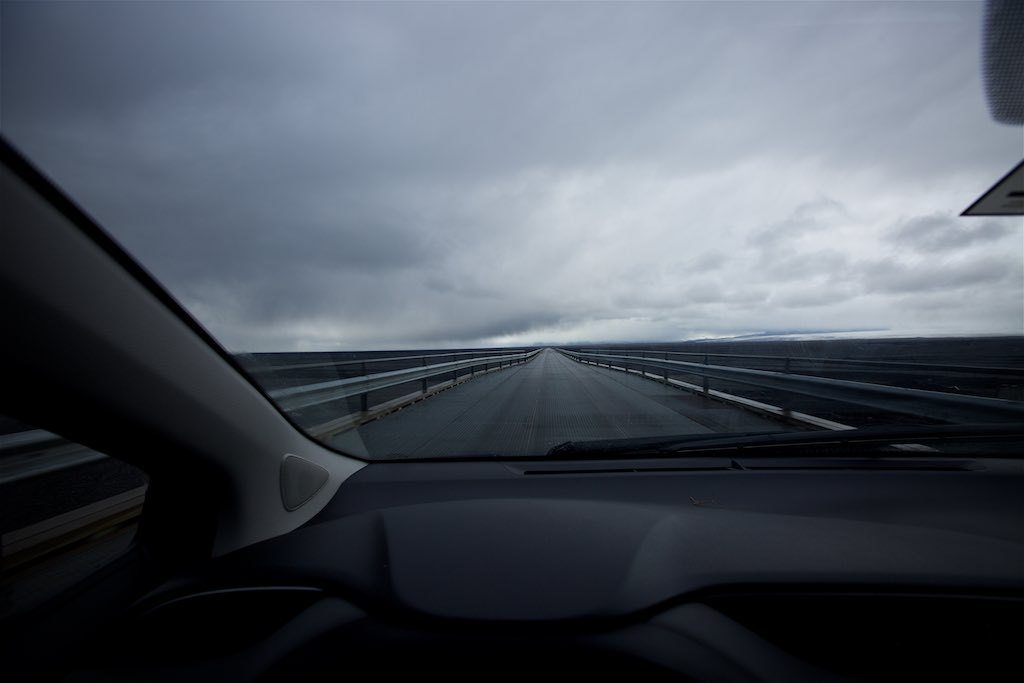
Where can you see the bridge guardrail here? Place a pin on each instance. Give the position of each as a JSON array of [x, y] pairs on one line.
[[297, 398], [34, 452], [794, 363], [259, 368], [937, 405]]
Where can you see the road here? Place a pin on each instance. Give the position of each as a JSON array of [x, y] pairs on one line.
[[527, 409]]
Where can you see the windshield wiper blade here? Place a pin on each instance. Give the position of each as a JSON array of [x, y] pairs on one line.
[[862, 438], [647, 443]]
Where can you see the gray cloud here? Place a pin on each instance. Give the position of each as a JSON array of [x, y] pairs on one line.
[[817, 215], [810, 298], [892, 276], [803, 265], [347, 174], [708, 261], [938, 233]]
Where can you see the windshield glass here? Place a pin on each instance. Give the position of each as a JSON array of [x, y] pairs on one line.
[[432, 230]]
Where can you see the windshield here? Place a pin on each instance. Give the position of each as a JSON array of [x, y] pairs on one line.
[[432, 230]]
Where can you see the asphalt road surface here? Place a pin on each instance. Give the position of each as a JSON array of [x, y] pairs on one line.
[[527, 409]]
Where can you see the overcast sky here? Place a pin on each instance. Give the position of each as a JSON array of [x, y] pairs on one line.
[[358, 176]]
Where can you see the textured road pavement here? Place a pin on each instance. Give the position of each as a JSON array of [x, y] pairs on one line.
[[527, 409]]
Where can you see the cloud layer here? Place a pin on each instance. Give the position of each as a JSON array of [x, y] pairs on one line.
[[319, 176]]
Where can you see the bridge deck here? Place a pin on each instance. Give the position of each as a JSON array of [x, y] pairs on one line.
[[527, 409]]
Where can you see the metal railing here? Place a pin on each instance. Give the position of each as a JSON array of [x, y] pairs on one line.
[[297, 398], [933, 405], [41, 528], [361, 365], [808, 363], [34, 452]]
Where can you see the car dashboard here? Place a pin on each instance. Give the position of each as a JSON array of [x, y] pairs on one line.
[[702, 569]]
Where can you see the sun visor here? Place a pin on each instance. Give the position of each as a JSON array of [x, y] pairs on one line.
[[1005, 198]]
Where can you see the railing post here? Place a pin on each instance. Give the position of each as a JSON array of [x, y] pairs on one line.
[[424, 387], [364, 402]]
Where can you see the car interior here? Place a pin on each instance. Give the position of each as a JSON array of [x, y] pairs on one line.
[[263, 555]]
